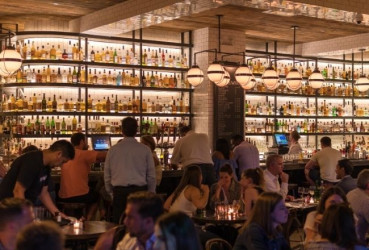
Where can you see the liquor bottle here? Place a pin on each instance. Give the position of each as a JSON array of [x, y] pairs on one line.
[[48, 74], [59, 53], [52, 126], [92, 54], [65, 55], [74, 124], [70, 76], [52, 53], [63, 127], [54, 104], [107, 105], [115, 56], [59, 77], [119, 79], [74, 76], [47, 126]]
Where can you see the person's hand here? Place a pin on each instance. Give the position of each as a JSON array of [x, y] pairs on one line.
[[205, 188], [284, 177], [318, 219]]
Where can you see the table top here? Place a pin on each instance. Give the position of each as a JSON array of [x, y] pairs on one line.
[[299, 204], [91, 230], [211, 218]]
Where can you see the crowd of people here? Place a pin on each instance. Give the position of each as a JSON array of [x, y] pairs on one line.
[[230, 175]]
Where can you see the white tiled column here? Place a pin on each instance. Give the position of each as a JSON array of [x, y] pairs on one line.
[[204, 39]]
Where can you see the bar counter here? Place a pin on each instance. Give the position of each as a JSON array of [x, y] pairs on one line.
[[171, 178]]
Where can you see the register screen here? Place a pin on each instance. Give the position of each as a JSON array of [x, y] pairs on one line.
[[281, 139], [100, 142]]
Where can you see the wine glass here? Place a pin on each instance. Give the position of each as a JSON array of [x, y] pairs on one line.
[[300, 190]]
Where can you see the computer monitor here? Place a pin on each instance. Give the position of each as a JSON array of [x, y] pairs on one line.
[[101, 142], [281, 139]]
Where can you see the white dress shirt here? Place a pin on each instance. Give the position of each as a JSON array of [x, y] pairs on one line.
[[272, 184], [191, 149], [131, 243]]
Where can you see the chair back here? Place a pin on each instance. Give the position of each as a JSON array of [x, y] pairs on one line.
[[217, 244]]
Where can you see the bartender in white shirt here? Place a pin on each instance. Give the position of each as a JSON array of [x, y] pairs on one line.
[[295, 147]]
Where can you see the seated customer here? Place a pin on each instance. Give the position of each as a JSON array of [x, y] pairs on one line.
[[190, 193], [263, 229], [337, 230], [15, 213], [142, 210], [359, 202], [272, 173], [227, 189], [343, 171], [333, 195], [176, 231], [252, 182], [45, 235], [74, 175]]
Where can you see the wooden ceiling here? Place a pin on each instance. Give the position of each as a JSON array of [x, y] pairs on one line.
[[21, 11], [266, 27]]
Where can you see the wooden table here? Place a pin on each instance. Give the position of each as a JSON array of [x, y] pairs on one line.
[[79, 238]]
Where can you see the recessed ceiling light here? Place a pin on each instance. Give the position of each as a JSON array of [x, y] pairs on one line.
[[55, 3]]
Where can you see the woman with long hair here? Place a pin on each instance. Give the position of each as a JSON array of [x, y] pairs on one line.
[[190, 193], [176, 231], [149, 141], [223, 155], [227, 189], [252, 182], [333, 195], [263, 229], [337, 230]]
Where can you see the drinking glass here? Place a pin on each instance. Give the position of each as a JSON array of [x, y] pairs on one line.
[[300, 190]]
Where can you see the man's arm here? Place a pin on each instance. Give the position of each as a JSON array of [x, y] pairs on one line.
[[284, 184], [310, 165], [175, 155], [48, 202], [19, 190], [107, 176], [151, 175], [101, 156]]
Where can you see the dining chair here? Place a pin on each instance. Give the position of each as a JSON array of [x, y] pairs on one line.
[[217, 244]]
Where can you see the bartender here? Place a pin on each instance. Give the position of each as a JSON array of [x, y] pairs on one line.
[[295, 147]]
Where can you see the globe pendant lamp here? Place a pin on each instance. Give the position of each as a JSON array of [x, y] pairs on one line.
[[362, 84], [250, 84], [293, 78], [195, 76], [270, 79], [316, 79], [215, 72], [10, 61], [243, 74], [224, 82]]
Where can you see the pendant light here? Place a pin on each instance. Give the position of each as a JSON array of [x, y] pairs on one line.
[[195, 76], [251, 83], [224, 82], [316, 79], [215, 72], [362, 84], [243, 75], [270, 77], [293, 78], [10, 60]]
